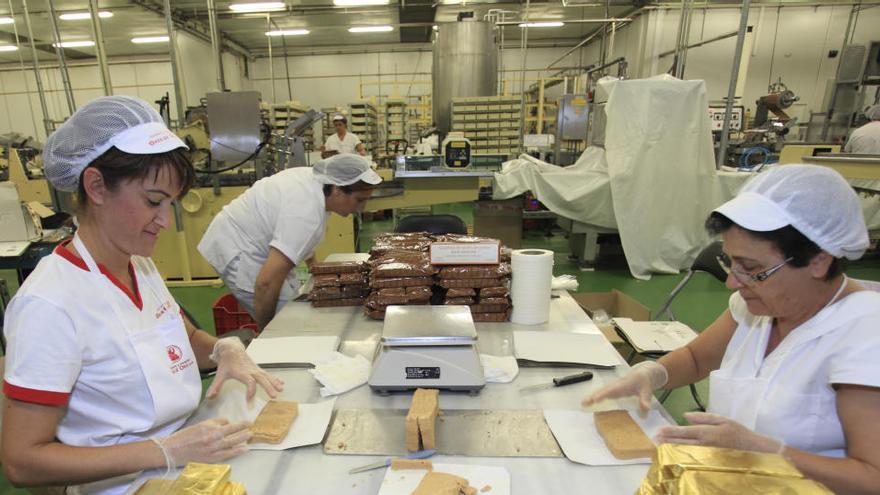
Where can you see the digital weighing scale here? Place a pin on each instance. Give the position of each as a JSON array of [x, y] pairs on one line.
[[429, 347]]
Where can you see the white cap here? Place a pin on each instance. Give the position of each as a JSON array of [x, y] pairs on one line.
[[339, 117], [344, 170], [817, 201], [873, 112], [127, 123]]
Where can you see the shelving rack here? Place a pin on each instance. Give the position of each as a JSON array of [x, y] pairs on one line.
[[491, 123], [363, 121]]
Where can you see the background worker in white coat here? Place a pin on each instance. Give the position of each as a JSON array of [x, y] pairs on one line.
[[793, 363], [866, 139], [102, 368], [255, 242], [342, 141]]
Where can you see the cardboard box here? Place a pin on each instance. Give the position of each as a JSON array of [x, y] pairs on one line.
[[500, 220], [616, 304]]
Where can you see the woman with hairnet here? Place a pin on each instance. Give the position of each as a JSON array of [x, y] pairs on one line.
[[794, 363], [102, 369], [256, 240], [866, 139]]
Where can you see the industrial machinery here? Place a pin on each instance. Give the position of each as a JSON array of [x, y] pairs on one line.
[[572, 120], [456, 151], [430, 347], [761, 143], [465, 64]]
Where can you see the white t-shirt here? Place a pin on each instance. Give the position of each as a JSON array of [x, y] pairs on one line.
[[839, 345], [285, 211], [347, 144], [865, 140], [67, 346]]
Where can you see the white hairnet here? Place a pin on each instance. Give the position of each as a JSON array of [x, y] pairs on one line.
[[130, 124], [817, 201], [345, 169], [873, 112]]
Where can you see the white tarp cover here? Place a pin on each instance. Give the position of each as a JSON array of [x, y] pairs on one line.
[[655, 181]]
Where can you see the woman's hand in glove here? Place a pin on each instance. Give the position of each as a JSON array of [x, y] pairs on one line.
[[233, 362], [210, 441], [641, 381], [717, 431]]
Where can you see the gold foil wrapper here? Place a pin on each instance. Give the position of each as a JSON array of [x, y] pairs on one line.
[[155, 487], [673, 460], [723, 483], [646, 488], [202, 479], [233, 488]]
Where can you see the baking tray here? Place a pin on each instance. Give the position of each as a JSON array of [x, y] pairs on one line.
[[500, 433]]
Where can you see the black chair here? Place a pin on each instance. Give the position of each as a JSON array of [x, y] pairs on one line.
[[433, 224], [707, 262], [4, 300]]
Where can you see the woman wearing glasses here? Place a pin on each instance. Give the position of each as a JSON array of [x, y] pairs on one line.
[[794, 363]]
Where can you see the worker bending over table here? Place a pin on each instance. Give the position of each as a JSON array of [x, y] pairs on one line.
[[102, 368], [794, 363], [256, 240]]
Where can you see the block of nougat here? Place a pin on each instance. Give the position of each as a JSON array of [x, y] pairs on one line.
[[274, 421], [421, 420], [435, 483], [623, 436], [326, 267], [401, 464], [335, 303]]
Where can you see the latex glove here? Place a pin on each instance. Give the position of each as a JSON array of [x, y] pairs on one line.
[[210, 441], [718, 431], [233, 362], [641, 381]]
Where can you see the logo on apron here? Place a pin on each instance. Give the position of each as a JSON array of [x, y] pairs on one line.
[[174, 353]]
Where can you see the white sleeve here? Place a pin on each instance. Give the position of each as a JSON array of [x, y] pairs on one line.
[[43, 353], [854, 359], [295, 232], [738, 308]]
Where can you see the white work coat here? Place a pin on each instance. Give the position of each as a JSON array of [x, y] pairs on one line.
[[788, 395], [865, 140], [121, 362], [286, 211], [348, 143]]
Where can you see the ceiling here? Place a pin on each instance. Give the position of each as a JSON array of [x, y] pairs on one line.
[[412, 22]]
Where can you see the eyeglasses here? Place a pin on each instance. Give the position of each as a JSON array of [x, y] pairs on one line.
[[745, 277]]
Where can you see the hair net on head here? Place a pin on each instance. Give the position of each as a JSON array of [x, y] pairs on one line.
[[344, 170], [873, 112], [817, 201], [130, 124]]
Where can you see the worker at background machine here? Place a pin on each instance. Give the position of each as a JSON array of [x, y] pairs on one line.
[[792, 364], [866, 139], [342, 141], [256, 240], [102, 367]]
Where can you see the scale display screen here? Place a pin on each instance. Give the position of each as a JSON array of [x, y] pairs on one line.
[[422, 372]]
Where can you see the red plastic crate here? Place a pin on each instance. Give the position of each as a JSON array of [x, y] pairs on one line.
[[230, 316]]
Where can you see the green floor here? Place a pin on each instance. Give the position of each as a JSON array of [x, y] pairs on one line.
[[698, 305]]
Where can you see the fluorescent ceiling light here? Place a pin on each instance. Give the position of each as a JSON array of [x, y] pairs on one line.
[[359, 3], [7, 20], [150, 39], [288, 32], [542, 24], [81, 16], [8, 48], [257, 7], [370, 29], [74, 44]]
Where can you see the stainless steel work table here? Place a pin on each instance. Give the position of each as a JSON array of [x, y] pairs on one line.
[[309, 471]]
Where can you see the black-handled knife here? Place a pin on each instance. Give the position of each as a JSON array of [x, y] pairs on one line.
[[559, 382]]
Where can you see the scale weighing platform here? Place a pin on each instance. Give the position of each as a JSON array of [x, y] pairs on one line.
[[427, 347]]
